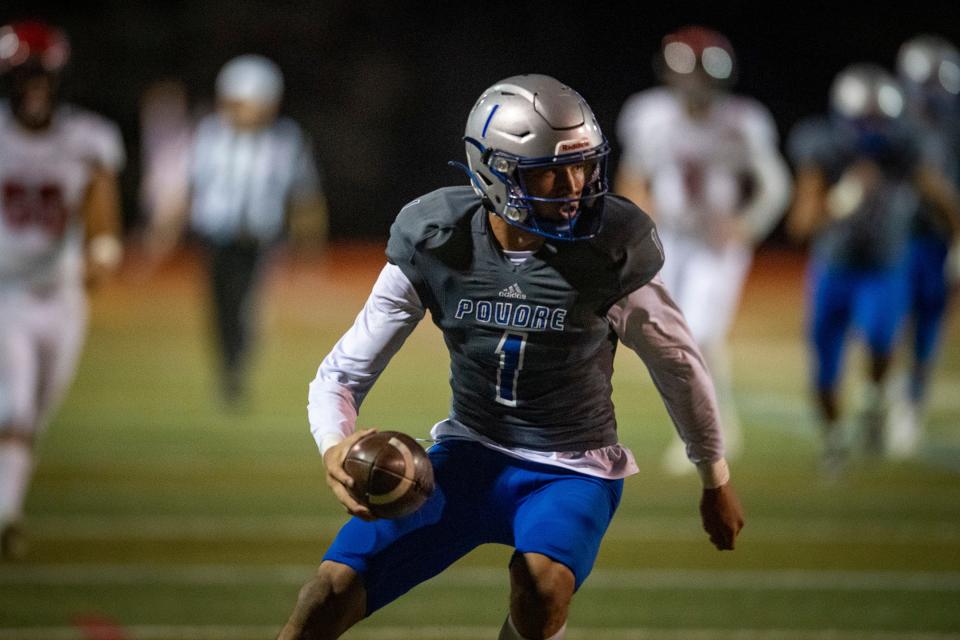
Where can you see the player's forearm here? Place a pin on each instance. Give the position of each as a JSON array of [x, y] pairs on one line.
[[352, 367], [936, 189], [332, 412], [713, 474], [770, 197], [809, 210], [102, 224], [648, 322], [634, 186]]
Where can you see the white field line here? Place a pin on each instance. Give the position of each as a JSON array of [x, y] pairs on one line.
[[635, 527], [789, 414], [259, 632], [217, 575]]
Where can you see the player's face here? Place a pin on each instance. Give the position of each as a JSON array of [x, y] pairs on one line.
[[34, 103], [696, 87], [249, 115], [559, 181]]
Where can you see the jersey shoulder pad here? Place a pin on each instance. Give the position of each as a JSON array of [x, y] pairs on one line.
[[431, 221], [288, 128], [208, 128], [640, 108], [753, 119], [811, 141], [655, 99], [95, 137], [629, 239]]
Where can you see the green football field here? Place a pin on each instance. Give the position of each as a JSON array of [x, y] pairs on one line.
[[156, 515]]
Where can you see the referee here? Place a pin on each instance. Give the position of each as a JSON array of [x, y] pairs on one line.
[[252, 175]]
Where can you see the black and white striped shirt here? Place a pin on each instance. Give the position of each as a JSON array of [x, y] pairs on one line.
[[242, 181]]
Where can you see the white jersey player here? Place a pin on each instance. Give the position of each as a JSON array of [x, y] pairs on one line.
[[706, 165], [59, 223]]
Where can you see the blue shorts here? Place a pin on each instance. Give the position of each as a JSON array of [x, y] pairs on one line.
[[929, 291], [873, 301], [481, 496]]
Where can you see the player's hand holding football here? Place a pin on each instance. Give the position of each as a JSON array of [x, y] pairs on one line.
[[338, 479], [722, 515]]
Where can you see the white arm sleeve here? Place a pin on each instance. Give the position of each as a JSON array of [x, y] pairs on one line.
[[770, 174], [348, 372], [649, 322]]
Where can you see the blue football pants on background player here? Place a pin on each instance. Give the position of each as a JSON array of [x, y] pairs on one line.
[[928, 304], [873, 302]]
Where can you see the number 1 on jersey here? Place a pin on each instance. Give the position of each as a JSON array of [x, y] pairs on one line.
[[510, 351]]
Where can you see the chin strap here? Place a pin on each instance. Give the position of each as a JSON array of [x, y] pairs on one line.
[[475, 182]]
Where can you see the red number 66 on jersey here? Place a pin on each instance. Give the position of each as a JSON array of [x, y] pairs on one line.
[[39, 206]]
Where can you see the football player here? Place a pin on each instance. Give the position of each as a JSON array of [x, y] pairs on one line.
[[533, 273], [929, 69], [252, 175], [59, 226], [861, 177], [705, 164]]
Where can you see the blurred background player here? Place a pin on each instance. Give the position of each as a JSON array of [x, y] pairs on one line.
[[705, 164], [929, 70], [166, 133], [252, 177], [861, 177], [59, 225]]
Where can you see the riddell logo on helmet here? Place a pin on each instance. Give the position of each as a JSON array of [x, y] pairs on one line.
[[567, 146]]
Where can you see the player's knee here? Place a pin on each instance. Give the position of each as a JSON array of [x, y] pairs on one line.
[[541, 590], [327, 605], [13, 433], [335, 584]]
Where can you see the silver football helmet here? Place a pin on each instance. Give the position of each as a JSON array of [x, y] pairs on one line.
[[929, 68], [532, 122], [866, 91], [250, 78], [931, 61]]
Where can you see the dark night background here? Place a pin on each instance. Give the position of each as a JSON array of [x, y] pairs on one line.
[[384, 87]]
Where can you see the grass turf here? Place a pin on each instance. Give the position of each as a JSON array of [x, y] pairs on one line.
[[152, 505]]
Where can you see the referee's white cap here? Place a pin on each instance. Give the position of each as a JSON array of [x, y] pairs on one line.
[[250, 78]]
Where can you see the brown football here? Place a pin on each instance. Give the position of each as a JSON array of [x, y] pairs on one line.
[[392, 475]]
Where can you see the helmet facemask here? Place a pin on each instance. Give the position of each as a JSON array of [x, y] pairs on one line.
[[557, 216]]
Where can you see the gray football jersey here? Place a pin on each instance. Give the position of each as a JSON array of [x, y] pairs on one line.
[[875, 235], [531, 351]]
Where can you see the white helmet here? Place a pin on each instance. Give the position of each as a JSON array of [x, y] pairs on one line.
[[930, 60], [534, 121], [866, 91], [929, 67], [250, 78]]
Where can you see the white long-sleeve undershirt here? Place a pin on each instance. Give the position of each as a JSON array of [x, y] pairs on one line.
[[646, 320]]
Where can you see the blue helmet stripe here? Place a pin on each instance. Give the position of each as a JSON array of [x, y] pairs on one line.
[[486, 124]]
